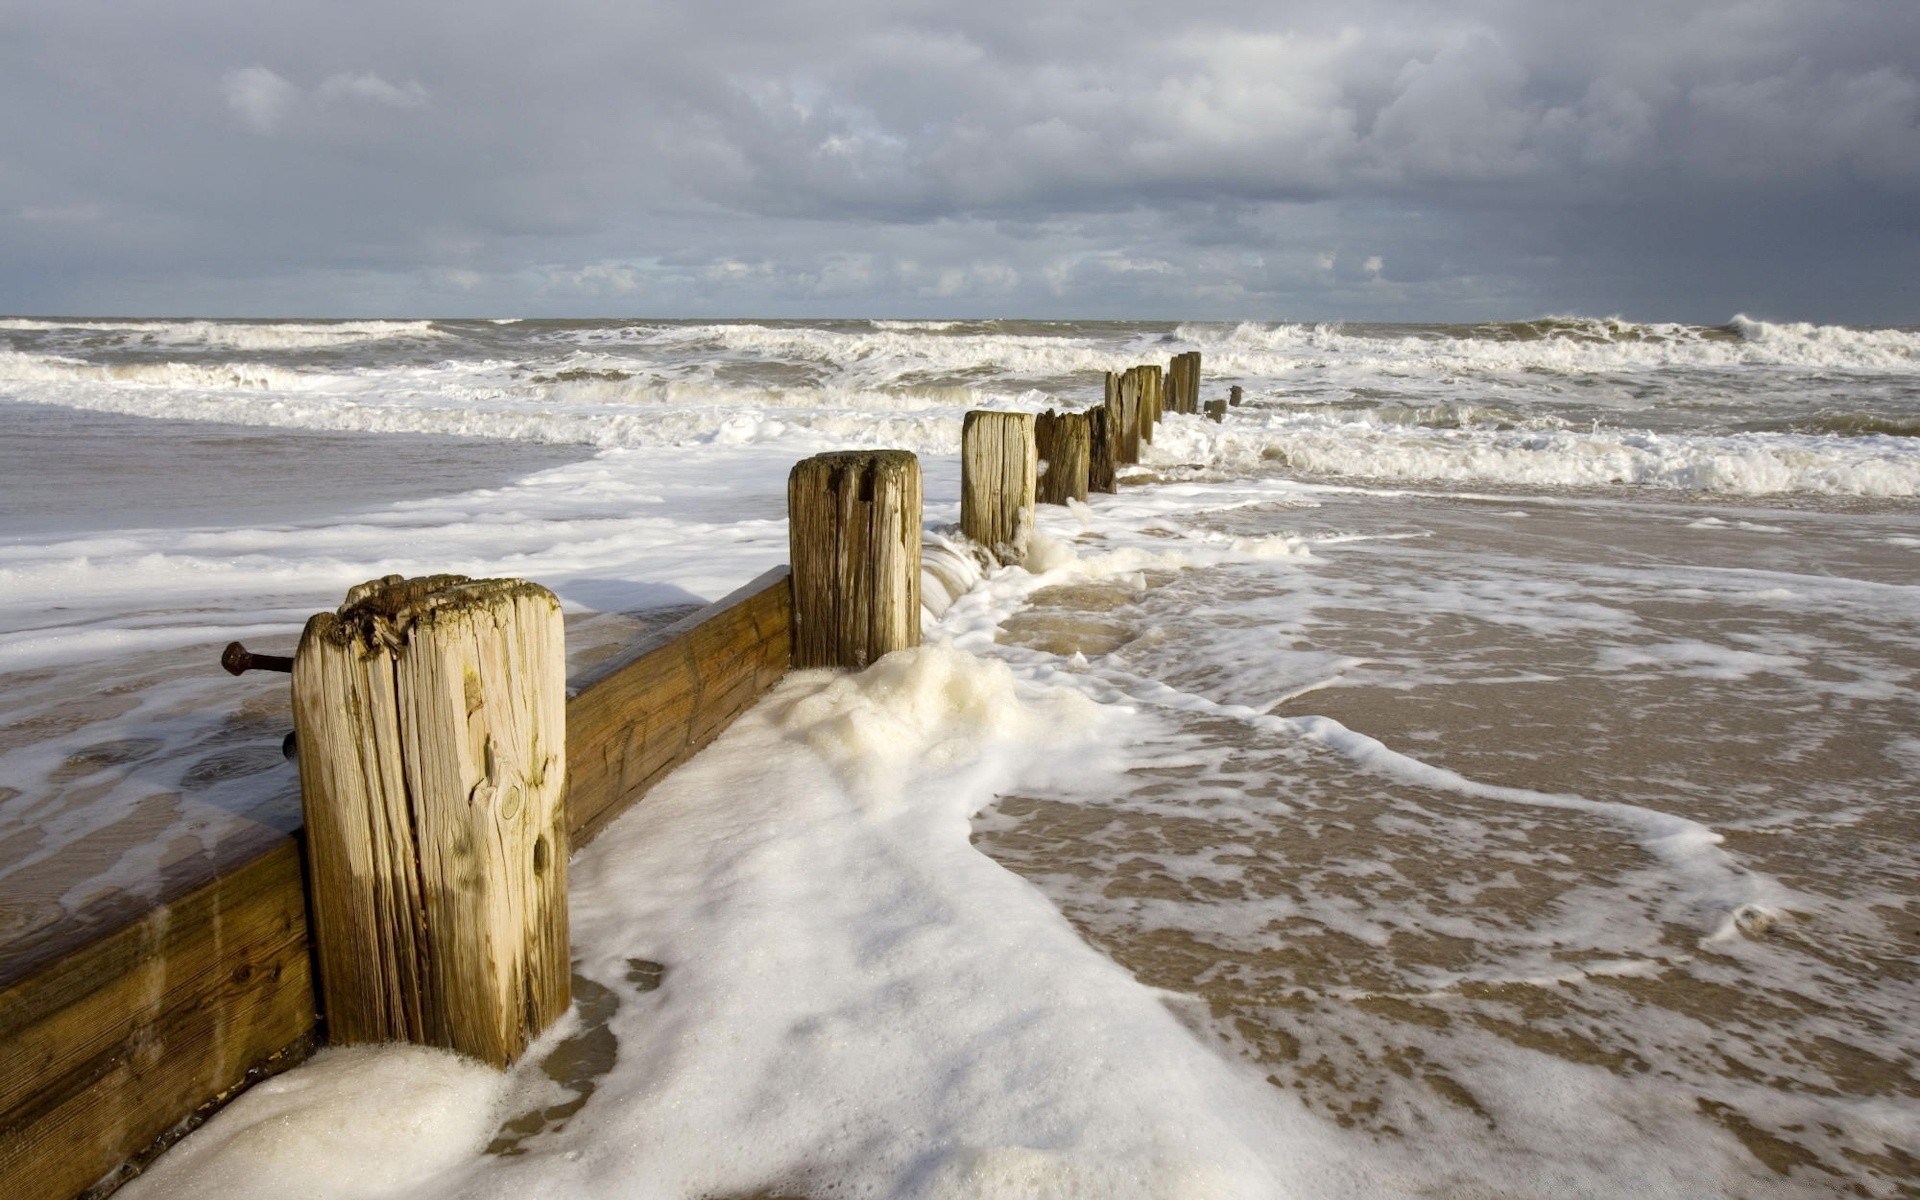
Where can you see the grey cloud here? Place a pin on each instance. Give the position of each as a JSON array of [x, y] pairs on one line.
[[1207, 159]]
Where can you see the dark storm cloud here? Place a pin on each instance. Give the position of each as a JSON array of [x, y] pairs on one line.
[[1204, 159]]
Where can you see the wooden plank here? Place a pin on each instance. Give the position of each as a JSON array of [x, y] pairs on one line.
[[114, 1044], [632, 720]]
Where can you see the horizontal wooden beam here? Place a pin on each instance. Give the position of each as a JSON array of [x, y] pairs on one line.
[[112, 1045], [632, 720]]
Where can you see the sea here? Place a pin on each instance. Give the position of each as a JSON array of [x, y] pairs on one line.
[[1482, 765]]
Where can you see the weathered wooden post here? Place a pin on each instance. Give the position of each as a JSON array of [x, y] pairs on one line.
[[1062, 440], [853, 528], [1185, 369], [431, 716], [1152, 390], [1125, 407], [1101, 475], [1176, 386], [998, 469], [1233, 396], [1216, 410]]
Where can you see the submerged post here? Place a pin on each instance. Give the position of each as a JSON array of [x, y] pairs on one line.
[[431, 715], [853, 527], [1062, 440], [998, 469], [1216, 410], [1233, 395]]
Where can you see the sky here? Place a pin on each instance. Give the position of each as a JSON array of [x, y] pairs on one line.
[[1209, 159]]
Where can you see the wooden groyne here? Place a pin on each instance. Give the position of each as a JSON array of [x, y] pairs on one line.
[[113, 1045], [111, 1049]]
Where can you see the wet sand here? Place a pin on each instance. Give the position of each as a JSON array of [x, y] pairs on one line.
[[1512, 998]]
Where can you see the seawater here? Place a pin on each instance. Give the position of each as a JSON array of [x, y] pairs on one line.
[[1493, 742]]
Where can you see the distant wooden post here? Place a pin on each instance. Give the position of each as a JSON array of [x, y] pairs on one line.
[[853, 527], [431, 715], [1100, 466], [1233, 396], [1152, 398], [1064, 444], [998, 469], [1125, 406], [1216, 410], [1185, 386]]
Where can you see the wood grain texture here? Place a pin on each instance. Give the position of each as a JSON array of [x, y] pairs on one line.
[[999, 468], [1062, 440], [853, 525], [109, 1047], [634, 719], [432, 722]]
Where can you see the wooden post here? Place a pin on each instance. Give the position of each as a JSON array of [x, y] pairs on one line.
[[1100, 466], [1176, 387], [1233, 396], [1125, 407], [1064, 444], [1153, 391], [1185, 370], [1216, 410], [431, 715], [998, 469], [853, 526]]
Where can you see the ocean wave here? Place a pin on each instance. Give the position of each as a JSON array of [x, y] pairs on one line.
[[1564, 345], [654, 416], [1742, 464], [232, 335], [883, 351], [17, 367]]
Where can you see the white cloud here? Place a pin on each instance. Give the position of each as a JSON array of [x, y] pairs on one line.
[[258, 97], [370, 88]]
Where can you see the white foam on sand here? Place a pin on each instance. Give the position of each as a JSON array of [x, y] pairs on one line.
[[855, 1002]]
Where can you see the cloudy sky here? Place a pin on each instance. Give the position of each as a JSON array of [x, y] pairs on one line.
[[1210, 158]]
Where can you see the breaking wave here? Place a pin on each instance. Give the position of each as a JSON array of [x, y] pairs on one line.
[[229, 335]]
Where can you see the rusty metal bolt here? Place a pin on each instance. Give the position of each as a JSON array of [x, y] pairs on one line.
[[237, 660]]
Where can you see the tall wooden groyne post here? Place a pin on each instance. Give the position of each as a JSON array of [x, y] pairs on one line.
[[1183, 388], [1102, 471], [1064, 442], [1123, 408], [853, 520], [431, 716], [999, 469]]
